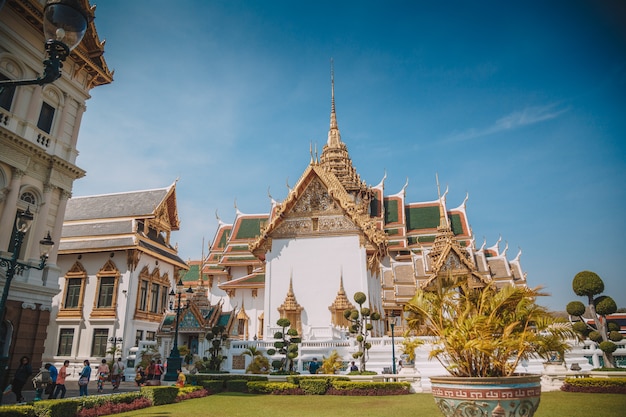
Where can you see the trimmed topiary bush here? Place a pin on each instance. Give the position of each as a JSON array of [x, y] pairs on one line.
[[213, 386], [368, 388], [276, 388], [17, 411], [314, 386], [595, 385], [160, 395], [237, 385]]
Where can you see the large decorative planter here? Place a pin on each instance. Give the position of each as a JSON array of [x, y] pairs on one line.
[[514, 396]]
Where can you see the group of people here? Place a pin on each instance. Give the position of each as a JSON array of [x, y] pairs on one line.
[[51, 381], [105, 373], [151, 375]]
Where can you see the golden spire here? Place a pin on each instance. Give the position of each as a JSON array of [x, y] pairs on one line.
[[334, 137], [335, 156]]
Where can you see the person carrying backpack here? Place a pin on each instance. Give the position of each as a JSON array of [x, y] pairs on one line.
[[118, 372]]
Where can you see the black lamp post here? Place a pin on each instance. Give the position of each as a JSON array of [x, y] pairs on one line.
[[64, 25], [393, 346], [174, 361], [14, 266]]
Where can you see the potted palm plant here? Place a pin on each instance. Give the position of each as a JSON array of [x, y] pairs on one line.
[[480, 335]]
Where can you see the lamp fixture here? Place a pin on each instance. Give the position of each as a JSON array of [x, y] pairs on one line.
[[64, 26]]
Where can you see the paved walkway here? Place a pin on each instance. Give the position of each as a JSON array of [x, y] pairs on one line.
[[72, 390]]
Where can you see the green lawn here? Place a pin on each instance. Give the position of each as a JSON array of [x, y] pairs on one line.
[[553, 404]]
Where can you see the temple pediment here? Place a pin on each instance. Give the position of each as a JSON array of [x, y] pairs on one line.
[[319, 205]]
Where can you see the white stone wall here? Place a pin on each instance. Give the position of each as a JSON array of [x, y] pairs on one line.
[[316, 266]]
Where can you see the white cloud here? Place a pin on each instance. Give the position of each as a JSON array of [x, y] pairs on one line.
[[517, 119]]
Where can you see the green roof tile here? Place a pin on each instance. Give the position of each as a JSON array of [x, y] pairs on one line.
[[391, 211], [249, 228]]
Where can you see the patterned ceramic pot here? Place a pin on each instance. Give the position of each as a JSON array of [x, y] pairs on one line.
[[514, 396]]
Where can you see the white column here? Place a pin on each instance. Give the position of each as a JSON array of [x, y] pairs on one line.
[[40, 228], [58, 226], [10, 208]]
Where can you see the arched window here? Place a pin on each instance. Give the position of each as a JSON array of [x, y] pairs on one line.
[[29, 198]]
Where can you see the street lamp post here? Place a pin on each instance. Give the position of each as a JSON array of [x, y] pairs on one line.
[[14, 266], [393, 347], [174, 361], [64, 25]]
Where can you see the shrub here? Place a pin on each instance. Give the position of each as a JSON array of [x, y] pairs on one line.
[[55, 408], [213, 386], [296, 379], [595, 385], [276, 388], [199, 379], [368, 388], [314, 386], [237, 385], [160, 395], [17, 411]]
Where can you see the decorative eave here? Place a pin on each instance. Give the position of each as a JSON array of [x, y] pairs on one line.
[[358, 213]]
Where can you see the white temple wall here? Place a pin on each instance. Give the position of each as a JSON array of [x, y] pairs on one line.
[[316, 266]]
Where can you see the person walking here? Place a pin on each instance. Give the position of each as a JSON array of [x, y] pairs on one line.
[[60, 385], [158, 371], [118, 372], [54, 375], [22, 373], [140, 376], [150, 370], [103, 374], [83, 379]]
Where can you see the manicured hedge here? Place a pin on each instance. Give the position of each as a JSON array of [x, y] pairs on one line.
[[17, 411], [213, 386], [160, 395], [314, 386], [368, 388], [328, 386], [276, 388], [198, 379], [237, 385], [595, 385], [56, 408]]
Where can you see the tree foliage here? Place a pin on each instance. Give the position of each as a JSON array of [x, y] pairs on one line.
[[589, 284], [361, 327], [287, 345], [216, 337]]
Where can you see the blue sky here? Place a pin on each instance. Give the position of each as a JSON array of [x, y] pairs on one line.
[[520, 104]]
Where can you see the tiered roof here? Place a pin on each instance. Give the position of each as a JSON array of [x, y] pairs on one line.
[[141, 220]]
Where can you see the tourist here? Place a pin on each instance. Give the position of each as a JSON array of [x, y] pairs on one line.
[[118, 372], [158, 370], [60, 384], [103, 374], [353, 367], [180, 381], [150, 370], [21, 375], [54, 374], [140, 376], [83, 379], [314, 366]]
